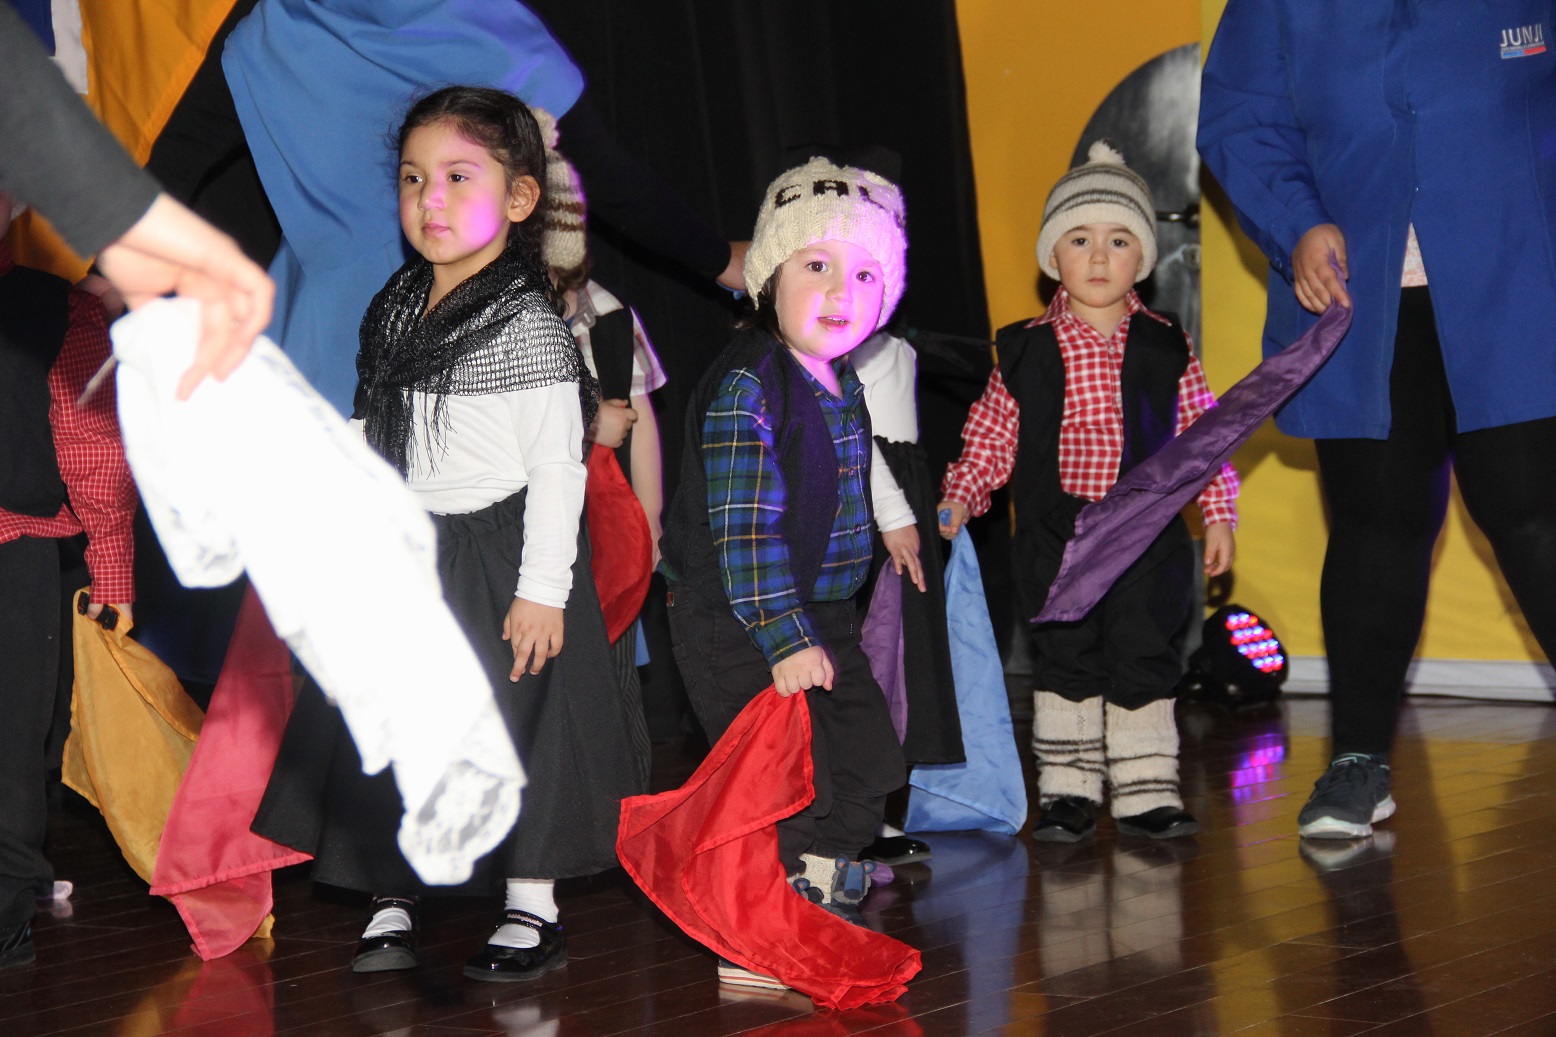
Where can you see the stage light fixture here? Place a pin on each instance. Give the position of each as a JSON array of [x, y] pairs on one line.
[[1241, 663]]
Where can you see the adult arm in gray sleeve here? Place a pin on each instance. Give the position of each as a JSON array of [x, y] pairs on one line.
[[55, 155]]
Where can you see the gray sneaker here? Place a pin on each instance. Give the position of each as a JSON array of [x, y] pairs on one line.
[[1347, 799]]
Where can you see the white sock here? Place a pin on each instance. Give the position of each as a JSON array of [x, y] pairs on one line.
[[387, 920], [887, 831], [535, 896]]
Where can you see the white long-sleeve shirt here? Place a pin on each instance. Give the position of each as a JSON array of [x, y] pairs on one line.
[[497, 444], [888, 367]]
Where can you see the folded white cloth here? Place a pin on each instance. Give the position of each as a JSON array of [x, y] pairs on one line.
[[260, 473]]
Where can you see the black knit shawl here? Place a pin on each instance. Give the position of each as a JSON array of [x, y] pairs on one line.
[[496, 331]]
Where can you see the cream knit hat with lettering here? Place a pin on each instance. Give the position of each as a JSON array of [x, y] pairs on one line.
[[820, 201], [564, 242], [1102, 190]]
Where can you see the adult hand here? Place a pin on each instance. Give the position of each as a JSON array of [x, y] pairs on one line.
[[612, 422], [902, 544], [1220, 548], [958, 517], [734, 275], [1315, 280], [811, 668], [170, 249], [534, 631]]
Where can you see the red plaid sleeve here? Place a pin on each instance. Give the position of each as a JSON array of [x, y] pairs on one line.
[[988, 448], [91, 455]]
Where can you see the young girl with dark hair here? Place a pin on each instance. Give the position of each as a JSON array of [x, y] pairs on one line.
[[471, 385]]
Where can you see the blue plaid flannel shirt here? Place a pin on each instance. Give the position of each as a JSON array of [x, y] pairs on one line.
[[746, 501]]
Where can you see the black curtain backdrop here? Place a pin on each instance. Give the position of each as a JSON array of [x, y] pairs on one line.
[[714, 95]]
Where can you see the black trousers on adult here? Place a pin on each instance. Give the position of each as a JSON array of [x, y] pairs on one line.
[[29, 659], [1387, 500], [858, 760]]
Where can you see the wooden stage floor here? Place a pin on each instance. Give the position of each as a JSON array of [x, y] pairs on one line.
[[1443, 923]]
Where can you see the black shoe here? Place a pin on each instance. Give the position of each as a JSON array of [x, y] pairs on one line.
[[391, 951], [893, 850], [16, 947], [1068, 819], [495, 964], [1161, 823]]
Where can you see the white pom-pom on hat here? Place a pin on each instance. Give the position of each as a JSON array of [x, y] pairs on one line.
[[1103, 151]]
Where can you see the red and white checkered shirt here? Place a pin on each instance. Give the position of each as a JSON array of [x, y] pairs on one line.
[[102, 496], [1091, 432]]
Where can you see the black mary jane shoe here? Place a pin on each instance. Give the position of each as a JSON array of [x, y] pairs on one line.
[[16, 947], [494, 964], [896, 850], [393, 951], [1160, 823], [1068, 819]]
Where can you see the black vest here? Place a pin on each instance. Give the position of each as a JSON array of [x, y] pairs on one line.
[[807, 458], [610, 340], [1155, 357], [34, 315]]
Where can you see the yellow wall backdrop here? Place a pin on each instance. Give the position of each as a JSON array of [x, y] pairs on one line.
[[1035, 73], [1471, 614]]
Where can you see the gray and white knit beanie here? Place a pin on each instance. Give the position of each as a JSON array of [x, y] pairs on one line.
[[820, 201], [1102, 190], [564, 242]]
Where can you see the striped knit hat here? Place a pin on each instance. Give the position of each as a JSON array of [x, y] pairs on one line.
[[564, 243], [1103, 190]]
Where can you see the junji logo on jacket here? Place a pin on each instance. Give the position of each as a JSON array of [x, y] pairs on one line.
[[1525, 41]]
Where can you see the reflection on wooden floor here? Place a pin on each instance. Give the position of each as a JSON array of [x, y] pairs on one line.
[[1443, 923]]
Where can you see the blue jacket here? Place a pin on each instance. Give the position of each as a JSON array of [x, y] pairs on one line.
[[1375, 115]]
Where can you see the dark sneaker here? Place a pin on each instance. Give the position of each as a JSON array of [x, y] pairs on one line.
[[1348, 799], [1160, 823], [1067, 819]]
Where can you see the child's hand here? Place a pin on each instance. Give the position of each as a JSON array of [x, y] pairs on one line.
[[902, 545], [612, 423], [956, 513], [534, 630], [1220, 548], [811, 668]]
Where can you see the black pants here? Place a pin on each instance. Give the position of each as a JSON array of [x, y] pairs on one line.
[[858, 760], [29, 648], [1129, 649], [1387, 500]]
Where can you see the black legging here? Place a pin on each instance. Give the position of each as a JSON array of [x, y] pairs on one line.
[[1387, 500]]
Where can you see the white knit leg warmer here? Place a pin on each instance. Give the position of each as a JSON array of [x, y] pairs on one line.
[[1067, 741], [1142, 749]]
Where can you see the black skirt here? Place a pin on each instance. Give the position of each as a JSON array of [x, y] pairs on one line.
[[934, 732], [581, 740]]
